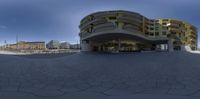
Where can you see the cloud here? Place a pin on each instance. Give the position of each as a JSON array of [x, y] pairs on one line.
[[3, 27]]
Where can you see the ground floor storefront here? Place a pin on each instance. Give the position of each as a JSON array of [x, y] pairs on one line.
[[121, 45]]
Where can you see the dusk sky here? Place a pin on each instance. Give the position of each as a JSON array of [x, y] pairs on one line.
[[44, 20]]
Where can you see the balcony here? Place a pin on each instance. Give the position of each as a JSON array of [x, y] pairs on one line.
[[94, 22], [174, 30], [176, 22], [172, 25], [131, 28], [193, 28], [192, 33], [164, 28], [99, 21], [104, 27], [136, 22], [193, 36], [84, 34], [132, 15], [192, 41], [101, 15]]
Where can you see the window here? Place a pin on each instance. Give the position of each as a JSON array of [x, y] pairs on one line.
[[151, 20], [164, 23], [179, 34], [156, 28], [164, 33], [152, 24], [157, 33], [117, 24], [156, 20], [151, 28], [112, 18], [164, 28], [151, 34], [91, 17], [165, 19], [173, 32], [86, 41], [89, 30]]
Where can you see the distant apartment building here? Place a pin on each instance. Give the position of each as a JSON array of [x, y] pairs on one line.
[[64, 45], [22, 45], [53, 44], [130, 31]]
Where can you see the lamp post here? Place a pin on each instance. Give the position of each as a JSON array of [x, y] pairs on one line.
[[5, 42], [17, 41]]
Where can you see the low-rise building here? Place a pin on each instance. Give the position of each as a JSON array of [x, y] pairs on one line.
[[64, 45], [75, 46], [22, 45], [53, 44]]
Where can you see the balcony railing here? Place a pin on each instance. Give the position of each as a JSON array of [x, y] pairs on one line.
[[173, 25], [131, 28], [94, 22], [193, 36], [134, 19], [175, 22], [104, 27], [135, 22], [193, 29]]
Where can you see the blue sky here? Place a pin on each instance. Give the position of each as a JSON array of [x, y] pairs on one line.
[[43, 20]]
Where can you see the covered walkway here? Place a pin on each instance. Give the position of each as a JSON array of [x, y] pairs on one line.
[[118, 40]]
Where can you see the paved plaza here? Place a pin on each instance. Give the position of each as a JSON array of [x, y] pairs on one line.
[[173, 75]]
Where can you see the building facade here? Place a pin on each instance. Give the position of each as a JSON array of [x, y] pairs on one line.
[[53, 44], [64, 45], [130, 31], [74, 46], [22, 45]]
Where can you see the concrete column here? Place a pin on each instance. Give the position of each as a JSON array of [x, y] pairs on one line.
[[166, 47], [170, 45], [119, 45], [86, 46]]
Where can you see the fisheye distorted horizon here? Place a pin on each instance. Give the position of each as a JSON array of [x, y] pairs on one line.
[[44, 20]]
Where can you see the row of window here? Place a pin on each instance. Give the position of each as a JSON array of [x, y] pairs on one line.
[[156, 33]]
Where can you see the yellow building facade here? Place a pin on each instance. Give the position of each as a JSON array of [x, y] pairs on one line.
[[27, 46]]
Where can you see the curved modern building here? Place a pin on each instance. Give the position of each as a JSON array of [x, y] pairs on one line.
[[130, 31]]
